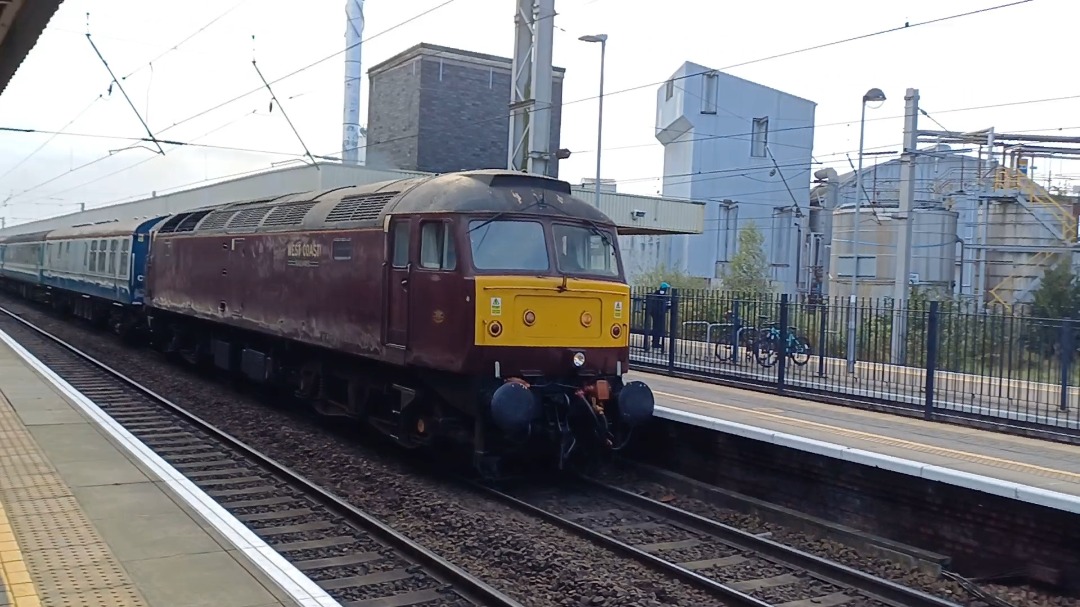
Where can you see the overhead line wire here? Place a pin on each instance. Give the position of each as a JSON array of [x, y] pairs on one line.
[[101, 96], [372, 37], [907, 25]]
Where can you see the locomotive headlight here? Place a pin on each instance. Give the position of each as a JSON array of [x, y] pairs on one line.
[[586, 319], [616, 331], [495, 329], [579, 359], [529, 318]]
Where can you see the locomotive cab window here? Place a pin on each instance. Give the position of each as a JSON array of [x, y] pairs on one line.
[[581, 250], [508, 245], [437, 250]]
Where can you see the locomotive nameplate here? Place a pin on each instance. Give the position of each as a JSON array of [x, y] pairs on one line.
[[303, 254]]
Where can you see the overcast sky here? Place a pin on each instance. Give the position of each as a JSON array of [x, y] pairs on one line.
[[1008, 56]]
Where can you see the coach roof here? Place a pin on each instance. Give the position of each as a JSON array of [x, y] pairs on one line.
[[108, 229]]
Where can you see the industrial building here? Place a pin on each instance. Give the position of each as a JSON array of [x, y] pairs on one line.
[[743, 149], [437, 109], [982, 229]]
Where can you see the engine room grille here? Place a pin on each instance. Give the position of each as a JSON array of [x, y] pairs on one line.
[[288, 214], [360, 208], [248, 218], [216, 220], [182, 223]]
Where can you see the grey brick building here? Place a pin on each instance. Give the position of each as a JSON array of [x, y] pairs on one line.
[[439, 109]]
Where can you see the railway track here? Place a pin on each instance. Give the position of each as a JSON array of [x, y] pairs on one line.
[[357, 559], [737, 567]]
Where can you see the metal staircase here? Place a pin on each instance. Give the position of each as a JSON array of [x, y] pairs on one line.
[[1050, 217]]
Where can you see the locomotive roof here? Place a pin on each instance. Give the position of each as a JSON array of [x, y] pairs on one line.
[[473, 192], [108, 229]]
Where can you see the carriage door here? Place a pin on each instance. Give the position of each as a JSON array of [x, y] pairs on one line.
[[397, 287]]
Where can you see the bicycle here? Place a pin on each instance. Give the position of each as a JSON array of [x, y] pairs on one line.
[[730, 341], [767, 347]]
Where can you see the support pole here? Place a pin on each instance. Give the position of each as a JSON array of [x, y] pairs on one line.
[[350, 129], [853, 302], [984, 231], [903, 237], [530, 87]]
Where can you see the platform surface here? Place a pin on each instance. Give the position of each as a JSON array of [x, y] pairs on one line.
[[1034, 470], [83, 523]]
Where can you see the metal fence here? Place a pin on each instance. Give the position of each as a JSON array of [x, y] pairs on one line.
[[1009, 370]]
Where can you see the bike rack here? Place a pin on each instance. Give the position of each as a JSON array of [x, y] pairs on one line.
[[734, 358]]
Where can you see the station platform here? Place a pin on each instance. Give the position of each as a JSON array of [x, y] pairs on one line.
[[89, 516], [1031, 470]]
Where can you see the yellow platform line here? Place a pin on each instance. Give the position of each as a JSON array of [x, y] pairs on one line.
[[14, 576], [997, 462]]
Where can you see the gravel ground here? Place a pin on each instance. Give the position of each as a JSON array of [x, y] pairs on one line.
[[530, 560], [536, 563], [1021, 596]]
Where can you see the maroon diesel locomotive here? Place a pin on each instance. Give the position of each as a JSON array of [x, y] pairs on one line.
[[487, 307]]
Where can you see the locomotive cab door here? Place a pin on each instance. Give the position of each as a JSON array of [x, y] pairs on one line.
[[398, 274]]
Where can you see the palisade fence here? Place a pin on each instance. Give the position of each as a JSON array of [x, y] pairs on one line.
[[1006, 368]]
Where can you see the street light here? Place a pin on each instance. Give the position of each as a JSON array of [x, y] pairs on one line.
[[602, 39], [875, 97]]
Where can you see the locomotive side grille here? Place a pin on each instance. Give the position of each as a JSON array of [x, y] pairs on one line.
[[216, 220], [248, 218], [183, 222], [288, 214], [360, 208]]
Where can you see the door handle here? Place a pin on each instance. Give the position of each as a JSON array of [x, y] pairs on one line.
[[405, 282]]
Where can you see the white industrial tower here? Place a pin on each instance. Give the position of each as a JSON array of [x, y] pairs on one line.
[[353, 137], [530, 86]]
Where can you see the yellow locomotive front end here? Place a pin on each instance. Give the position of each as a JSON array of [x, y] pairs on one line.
[[551, 330], [550, 312]]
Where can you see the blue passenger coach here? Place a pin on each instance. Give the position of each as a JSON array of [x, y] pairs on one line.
[[98, 272], [20, 262]]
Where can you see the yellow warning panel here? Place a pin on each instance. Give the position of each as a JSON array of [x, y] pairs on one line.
[[14, 577], [50, 552]]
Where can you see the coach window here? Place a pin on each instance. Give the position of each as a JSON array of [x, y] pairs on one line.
[[401, 244], [93, 256], [437, 250], [125, 257], [113, 244]]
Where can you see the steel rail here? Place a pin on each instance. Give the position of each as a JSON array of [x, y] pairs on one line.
[[824, 569], [712, 586], [468, 586]]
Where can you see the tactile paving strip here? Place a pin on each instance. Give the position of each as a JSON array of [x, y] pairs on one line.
[[50, 553]]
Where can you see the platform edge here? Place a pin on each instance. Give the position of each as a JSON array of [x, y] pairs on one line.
[[977, 482], [300, 588]]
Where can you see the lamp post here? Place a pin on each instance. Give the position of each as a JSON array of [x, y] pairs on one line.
[[876, 97], [602, 39]]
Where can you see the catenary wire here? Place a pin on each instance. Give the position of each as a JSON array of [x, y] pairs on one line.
[[701, 176], [907, 25], [503, 117], [171, 49], [372, 37]]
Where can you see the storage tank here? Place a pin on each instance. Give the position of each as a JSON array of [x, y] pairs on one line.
[[933, 250]]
